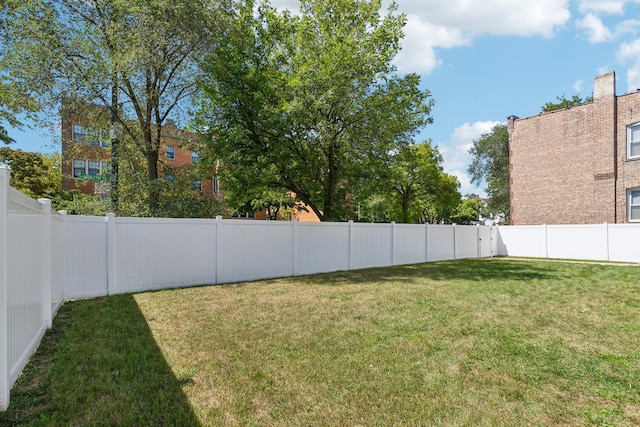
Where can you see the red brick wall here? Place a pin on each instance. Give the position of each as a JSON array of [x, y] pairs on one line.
[[628, 107], [562, 165]]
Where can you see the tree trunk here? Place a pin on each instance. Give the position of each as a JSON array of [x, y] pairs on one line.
[[154, 190], [114, 192]]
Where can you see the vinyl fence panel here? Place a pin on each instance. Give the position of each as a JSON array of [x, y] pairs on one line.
[[371, 245], [441, 242], [252, 250], [525, 240], [321, 248], [624, 242], [158, 253], [466, 241], [577, 241], [86, 251], [409, 245]]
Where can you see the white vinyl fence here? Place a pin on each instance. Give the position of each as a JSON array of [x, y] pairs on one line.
[[47, 258], [600, 242]]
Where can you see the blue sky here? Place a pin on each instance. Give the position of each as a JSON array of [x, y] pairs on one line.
[[486, 60]]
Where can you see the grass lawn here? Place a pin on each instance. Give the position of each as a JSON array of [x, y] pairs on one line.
[[473, 342]]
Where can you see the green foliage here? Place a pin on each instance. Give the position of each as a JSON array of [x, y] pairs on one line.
[[136, 60], [311, 104], [469, 210], [76, 203], [490, 162], [35, 174], [415, 188], [563, 103]]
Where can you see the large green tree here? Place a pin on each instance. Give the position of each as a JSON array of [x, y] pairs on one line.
[[311, 103], [490, 164], [415, 178], [136, 60], [563, 103], [35, 174]]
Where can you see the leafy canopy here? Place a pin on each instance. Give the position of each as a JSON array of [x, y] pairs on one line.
[[490, 163], [311, 104]]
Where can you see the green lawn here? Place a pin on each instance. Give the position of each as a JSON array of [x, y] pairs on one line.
[[474, 342]]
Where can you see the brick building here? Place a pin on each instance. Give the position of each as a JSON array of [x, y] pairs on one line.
[[579, 165], [85, 154]]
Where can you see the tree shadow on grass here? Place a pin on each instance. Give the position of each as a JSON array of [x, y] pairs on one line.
[[99, 365], [481, 270]]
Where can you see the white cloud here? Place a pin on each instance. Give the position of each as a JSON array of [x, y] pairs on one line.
[[596, 31], [498, 17], [433, 24], [629, 52], [612, 7], [456, 153], [578, 86]]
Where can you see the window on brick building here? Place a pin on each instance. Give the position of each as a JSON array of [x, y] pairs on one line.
[[215, 185], [633, 141], [196, 185], [195, 157], [83, 134], [634, 205], [94, 168], [171, 152], [79, 168]]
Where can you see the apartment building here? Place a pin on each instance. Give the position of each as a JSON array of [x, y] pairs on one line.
[[86, 154], [579, 165]]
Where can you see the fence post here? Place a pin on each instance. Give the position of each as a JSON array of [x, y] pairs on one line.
[[606, 237], [393, 243], [4, 284], [455, 250], [46, 247], [426, 242], [294, 225], [112, 267], [217, 243], [350, 242]]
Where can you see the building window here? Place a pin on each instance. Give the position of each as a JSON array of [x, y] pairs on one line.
[[171, 152], [79, 133], [79, 168], [171, 177], [83, 134], [633, 141], [634, 205], [215, 185], [195, 157], [196, 185], [94, 168]]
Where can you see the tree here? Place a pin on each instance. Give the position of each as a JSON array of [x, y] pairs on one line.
[[414, 175], [35, 174], [469, 210], [563, 103], [490, 162], [137, 60], [311, 103]]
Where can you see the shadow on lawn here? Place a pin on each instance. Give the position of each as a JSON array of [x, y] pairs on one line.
[[465, 270], [99, 365]]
